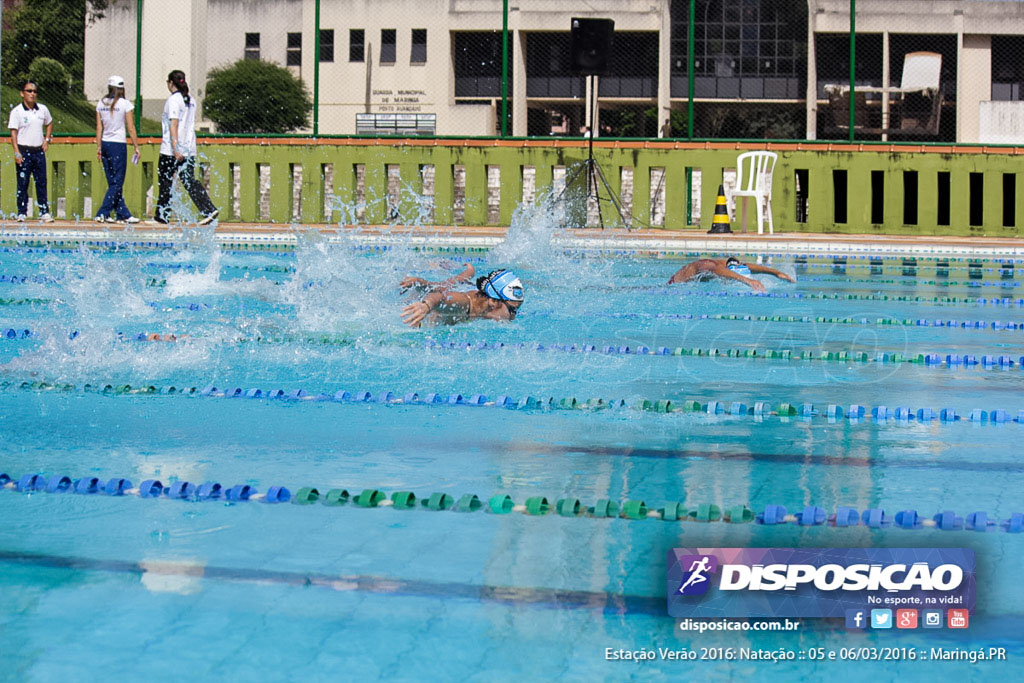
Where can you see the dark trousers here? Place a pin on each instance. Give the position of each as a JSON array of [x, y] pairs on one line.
[[33, 165], [115, 163], [166, 170]]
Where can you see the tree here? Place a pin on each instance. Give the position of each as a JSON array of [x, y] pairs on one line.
[[49, 28], [255, 96]]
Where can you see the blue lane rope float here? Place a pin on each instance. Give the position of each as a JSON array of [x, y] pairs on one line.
[[759, 410], [996, 325], [929, 359], [838, 296], [535, 506]]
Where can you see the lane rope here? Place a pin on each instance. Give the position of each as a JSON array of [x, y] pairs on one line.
[[854, 413], [534, 506]]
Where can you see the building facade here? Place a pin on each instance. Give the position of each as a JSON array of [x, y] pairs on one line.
[[762, 68]]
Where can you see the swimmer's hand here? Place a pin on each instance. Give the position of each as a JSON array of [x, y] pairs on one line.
[[414, 313], [409, 282], [787, 278], [755, 285]]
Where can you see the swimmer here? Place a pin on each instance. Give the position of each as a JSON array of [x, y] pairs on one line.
[[731, 268], [498, 296]]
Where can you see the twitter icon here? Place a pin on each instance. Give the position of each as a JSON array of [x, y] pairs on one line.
[[881, 618]]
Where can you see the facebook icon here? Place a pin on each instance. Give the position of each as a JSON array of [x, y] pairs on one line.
[[855, 618]]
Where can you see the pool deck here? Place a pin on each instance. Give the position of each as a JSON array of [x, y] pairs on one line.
[[656, 242]]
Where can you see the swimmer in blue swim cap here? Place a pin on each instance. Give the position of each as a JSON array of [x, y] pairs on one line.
[[498, 296], [730, 269]]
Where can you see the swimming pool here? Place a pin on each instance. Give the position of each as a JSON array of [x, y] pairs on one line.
[[142, 362]]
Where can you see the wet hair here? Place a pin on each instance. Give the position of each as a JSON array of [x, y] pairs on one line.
[[177, 77], [732, 259], [114, 93], [482, 281]]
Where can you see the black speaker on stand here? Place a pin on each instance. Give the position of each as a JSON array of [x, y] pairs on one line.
[[591, 48]]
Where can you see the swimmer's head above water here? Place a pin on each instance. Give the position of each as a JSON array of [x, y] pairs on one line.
[[502, 285], [734, 264]]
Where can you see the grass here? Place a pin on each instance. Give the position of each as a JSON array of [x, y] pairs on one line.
[[70, 116]]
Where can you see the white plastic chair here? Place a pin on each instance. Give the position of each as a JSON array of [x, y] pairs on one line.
[[754, 179]]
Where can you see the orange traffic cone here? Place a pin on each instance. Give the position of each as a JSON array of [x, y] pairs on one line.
[[720, 221]]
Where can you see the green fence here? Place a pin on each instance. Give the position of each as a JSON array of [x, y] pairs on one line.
[[817, 188], [872, 70]]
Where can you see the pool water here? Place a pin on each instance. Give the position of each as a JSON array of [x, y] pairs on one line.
[[97, 584]]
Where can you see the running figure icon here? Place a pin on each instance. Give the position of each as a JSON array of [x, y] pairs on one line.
[[697, 570]]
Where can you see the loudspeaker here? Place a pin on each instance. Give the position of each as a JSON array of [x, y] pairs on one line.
[[591, 45]]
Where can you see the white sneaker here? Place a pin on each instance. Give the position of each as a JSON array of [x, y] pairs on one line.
[[131, 220], [46, 218], [207, 219], [21, 218], [100, 219]]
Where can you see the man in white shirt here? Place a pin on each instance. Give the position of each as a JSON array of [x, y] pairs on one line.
[[30, 145]]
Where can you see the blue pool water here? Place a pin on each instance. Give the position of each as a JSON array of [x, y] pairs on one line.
[[95, 585]]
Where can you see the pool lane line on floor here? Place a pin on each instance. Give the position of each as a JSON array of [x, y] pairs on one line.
[[535, 506], [759, 411], [551, 598]]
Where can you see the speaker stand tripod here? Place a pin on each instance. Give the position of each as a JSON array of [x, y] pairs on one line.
[[594, 173]]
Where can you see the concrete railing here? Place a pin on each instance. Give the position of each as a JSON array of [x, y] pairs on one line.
[[817, 187]]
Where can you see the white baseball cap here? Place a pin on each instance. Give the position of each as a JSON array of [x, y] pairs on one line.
[[115, 82]]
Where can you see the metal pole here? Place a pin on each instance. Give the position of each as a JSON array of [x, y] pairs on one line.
[[316, 72], [689, 68], [138, 64], [689, 105], [504, 68], [853, 62]]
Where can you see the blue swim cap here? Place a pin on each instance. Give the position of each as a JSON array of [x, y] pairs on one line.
[[503, 285]]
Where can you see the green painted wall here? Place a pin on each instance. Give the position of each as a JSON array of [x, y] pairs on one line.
[[75, 174]]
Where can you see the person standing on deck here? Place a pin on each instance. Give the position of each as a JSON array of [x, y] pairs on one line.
[[178, 151], [30, 144], [112, 118]]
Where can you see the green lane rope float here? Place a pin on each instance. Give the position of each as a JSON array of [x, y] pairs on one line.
[[760, 410], [535, 506]]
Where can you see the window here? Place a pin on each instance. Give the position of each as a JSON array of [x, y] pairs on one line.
[[419, 46], [388, 38], [294, 55], [327, 45], [356, 45], [252, 46]]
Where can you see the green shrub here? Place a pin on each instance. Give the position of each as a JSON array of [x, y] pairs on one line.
[[52, 79], [254, 96]]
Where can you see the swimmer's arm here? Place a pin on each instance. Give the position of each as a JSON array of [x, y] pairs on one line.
[[754, 268], [683, 274], [420, 284], [721, 271], [414, 313]]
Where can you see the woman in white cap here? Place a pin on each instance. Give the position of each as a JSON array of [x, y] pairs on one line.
[[112, 119]]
